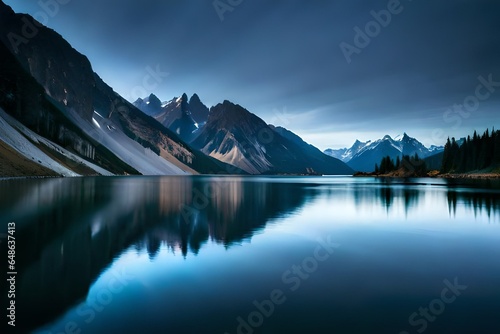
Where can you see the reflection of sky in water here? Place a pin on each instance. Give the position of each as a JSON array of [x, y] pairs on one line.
[[202, 270]]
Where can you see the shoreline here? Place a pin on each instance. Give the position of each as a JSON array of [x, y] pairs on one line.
[[478, 176], [8, 178], [470, 176]]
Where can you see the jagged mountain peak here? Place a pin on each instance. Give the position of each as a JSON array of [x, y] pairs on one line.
[[154, 101], [232, 114], [194, 98], [407, 138], [199, 111], [182, 115], [184, 103]]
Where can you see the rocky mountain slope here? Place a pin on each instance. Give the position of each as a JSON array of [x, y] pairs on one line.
[[51, 88], [236, 136]]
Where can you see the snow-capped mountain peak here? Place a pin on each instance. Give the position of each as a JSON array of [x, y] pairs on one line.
[[363, 156]]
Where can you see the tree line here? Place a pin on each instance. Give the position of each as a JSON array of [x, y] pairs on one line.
[[476, 153], [406, 163]]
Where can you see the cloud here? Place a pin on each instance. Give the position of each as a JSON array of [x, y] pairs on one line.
[[271, 55]]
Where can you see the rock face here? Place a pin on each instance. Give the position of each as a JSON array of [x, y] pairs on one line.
[[181, 115], [25, 99], [151, 105], [236, 136], [65, 74], [199, 111], [177, 117]]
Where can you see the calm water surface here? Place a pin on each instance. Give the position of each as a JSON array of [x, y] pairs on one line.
[[255, 255]]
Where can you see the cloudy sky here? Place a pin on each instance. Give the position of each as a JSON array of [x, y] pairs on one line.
[[326, 70]]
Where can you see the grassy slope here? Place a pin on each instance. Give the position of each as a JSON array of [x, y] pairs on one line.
[[13, 164]]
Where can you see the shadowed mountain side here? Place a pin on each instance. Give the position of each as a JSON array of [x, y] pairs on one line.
[[238, 137], [181, 115], [23, 98], [317, 160], [65, 74], [111, 215]]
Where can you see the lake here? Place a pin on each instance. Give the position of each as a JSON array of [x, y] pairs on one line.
[[255, 254]]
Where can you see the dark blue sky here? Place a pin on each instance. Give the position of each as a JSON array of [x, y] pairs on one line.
[[283, 60]]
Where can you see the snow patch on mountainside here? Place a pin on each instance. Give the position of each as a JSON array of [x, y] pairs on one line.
[[142, 159], [346, 154]]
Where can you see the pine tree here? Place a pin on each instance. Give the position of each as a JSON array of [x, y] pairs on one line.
[[496, 148], [392, 167], [454, 154], [476, 153], [483, 159], [446, 164], [470, 159]]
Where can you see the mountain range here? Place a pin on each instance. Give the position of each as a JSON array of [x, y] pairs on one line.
[[51, 90], [232, 134], [58, 117], [362, 156], [181, 115]]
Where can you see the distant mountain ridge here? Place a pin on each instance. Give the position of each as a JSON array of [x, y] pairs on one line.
[[362, 156]]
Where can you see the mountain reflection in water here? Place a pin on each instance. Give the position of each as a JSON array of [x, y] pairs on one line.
[[70, 230]]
